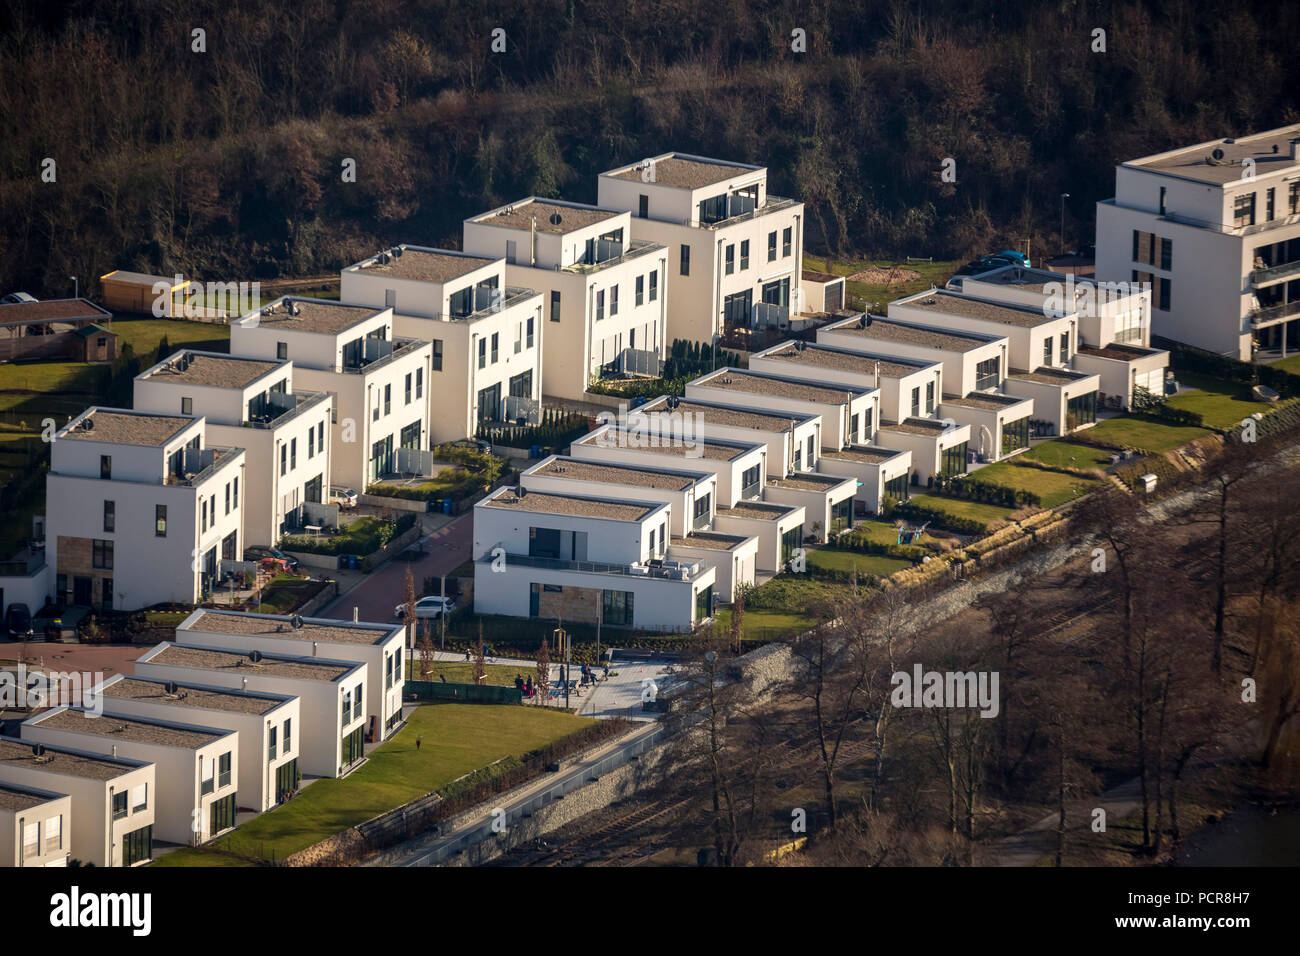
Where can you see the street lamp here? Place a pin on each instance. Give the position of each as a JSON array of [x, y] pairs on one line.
[[76, 287], [1064, 197]]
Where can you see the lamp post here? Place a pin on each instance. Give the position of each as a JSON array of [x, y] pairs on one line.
[[562, 645], [76, 287], [1064, 197]]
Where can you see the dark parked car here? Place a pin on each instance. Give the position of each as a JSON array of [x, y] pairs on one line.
[[273, 556], [18, 622]]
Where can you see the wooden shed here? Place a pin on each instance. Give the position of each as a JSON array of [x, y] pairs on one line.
[[93, 343], [137, 292]]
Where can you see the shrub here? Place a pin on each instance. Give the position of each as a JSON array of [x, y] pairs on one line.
[[941, 519]]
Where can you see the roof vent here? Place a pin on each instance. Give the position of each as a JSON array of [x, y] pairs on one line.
[[255, 657], [520, 491], [395, 252], [556, 219], [296, 622], [171, 688]]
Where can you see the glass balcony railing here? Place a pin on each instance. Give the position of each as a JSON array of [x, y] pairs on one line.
[[1272, 313], [666, 570], [1273, 273]]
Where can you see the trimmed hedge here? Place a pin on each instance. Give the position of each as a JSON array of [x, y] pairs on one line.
[[940, 519], [1185, 358], [973, 489], [375, 535]]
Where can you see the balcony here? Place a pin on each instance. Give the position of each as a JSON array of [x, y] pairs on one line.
[[663, 570], [1261, 277], [199, 465], [635, 250], [773, 204], [1219, 227], [1274, 313], [377, 356], [702, 522], [280, 409], [510, 297]]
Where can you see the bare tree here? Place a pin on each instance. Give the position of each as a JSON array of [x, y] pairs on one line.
[[543, 672]]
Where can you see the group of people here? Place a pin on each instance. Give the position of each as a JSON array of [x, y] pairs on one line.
[[525, 687]]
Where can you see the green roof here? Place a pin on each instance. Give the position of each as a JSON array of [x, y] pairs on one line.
[[88, 330]]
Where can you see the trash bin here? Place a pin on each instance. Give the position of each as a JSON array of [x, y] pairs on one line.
[[447, 506], [343, 561], [352, 561], [535, 451]]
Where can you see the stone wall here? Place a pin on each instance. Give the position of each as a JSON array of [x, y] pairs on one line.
[[572, 604]]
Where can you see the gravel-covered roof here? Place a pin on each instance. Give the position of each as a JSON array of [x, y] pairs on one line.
[[818, 356], [752, 383], [943, 302], [686, 173], [544, 503], [520, 215], [191, 696], [18, 753], [217, 371], [130, 729], [582, 469], [128, 428], [293, 668], [226, 622]]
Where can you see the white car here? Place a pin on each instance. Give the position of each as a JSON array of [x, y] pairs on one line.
[[346, 497], [427, 607]]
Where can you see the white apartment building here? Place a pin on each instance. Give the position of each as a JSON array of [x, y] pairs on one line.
[[573, 558], [974, 369], [485, 337], [331, 694], [378, 646], [268, 726], [381, 384], [195, 765], [735, 253], [793, 443], [849, 416], [112, 798], [778, 527], [827, 500], [879, 472], [252, 404], [605, 294], [140, 509], [1114, 325], [1215, 229], [34, 827], [1042, 342]]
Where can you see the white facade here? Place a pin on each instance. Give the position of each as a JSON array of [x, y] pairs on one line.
[[381, 383], [779, 529], [878, 471], [35, 827], [268, 726], [113, 798], [333, 728], [485, 337], [605, 294], [827, 501], [252, 404], [734, 558], [732, 247], [195, 765], [379, 647], [140, 509], [1215, 229]]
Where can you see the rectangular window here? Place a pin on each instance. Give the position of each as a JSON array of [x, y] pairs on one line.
[[311, 443], [187, 406], [482, 353], [1167, 254], [419, 372], [786, 240], [1243, 211], [388, 389], [744, 255], [1047, 350], [119, 804], [929, 398], [613, 300], [1269, 205], [236, 487], [986, 374], [555, 306], [106, 593], [600, 304], [137, 846], [729, 256], [105, 466], [952, 461], [617, 608], [288, 734], [223, 770], [1065, 347], [916, 401], [528, 333], [685, 268], [640, 290], [110, 515], [204, 506], [654, 286], [293, 453], [284, 459], [407, 390], [102, 556], [437, 355], [496, 351], [282, 350], [643, 206], [771, 246], [160, 521], [1293, 199], [749, 486], [1163, 291], [271, 741], [228, 497], [388, 672], [140, 798], [1162, 200]]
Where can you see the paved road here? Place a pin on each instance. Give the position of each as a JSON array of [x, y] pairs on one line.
[[376, 595]]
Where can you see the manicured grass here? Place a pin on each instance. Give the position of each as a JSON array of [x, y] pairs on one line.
[[1068, 454], [829, 559], [462, 672], [1221, 404], [143, 335], [1154, 436], [960, 508], [1289, 364], [883, 531], [1052, 487], [457, 738], [764, 625], [931, 273], [284, 591]]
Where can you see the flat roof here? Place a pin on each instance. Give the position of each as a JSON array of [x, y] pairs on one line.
[[711, 540], [120, 427], [812, 275], [1271, 151], [807, 481], [131, 729], [14, 797], [703, 448], [143, 278], [761, 383], [1048, 376], [582, 469], [52, 310], [916, 426], [764, 510], [1124, 353], [1031, 280], [428, 265], [943, 302], [216, 371], [314, 315], [153, 690], [864, 454], [723, 414], [572, 216], [822, 356], [687, 172], [271, 665], [64, 761], [280, 626], [544, 503], [988, 400], [882, 329]]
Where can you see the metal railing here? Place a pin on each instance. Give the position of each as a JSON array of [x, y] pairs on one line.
[[752, 491], [301, 401], [1273, 312], [1231, 230], [701, 522], [769, 314], [635, 250], [1128, 336], [400, 347], [1260, 276], [773, 204], [519, 406], [668, 570]]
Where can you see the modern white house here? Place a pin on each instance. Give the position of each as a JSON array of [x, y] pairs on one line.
[[1114, 325], [974, 370], [878, 472], [1042, 342], [740, 467], [484, 336], [380, 383], [827, 500], [35, 827], [268, 726], [252, 404], [378, 646], [735, 252], [1214, 229], [849, 415], [331, 694], [140, 509], [113, 798], [195, 765], [793, 442], [575, 558], [778, 527], [734, 558], [606, 301]]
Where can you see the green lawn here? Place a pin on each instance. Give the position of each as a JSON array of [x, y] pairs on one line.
[[457, 738], [763, 625], [1068, 454], [830, 559], [1290, 364], [1221, 404], [931, 273], [143, 335], [284, 592], [1154, 436], [960, 508], [1052, 487], [462, 672]]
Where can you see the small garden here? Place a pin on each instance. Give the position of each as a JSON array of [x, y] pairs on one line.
[[555, 430], [686, 360], [363, 536], [467, 472]]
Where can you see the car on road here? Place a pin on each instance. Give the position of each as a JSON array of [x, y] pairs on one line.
[[18, 622], [17, 298], [473, 444], [271, 556], [345, 496], [427, 608]]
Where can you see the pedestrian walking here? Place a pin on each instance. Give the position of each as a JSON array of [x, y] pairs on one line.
[[418, 741]]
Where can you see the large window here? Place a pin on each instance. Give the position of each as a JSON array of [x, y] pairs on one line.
[[617, 608], [1081, 410], [897, 488], [119, 804], [704, 603], [1015, 435], [700, 509], [102, 554], [410, 436], [137, 846], [986, 374], [686, 260], [749, 486], [790, 541], [353, 747], [222, 815], [521, 385], [1243, 210], [953, 460]]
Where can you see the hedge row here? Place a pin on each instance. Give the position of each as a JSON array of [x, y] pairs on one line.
[[940, 519], [973, 489], [1185, 358]]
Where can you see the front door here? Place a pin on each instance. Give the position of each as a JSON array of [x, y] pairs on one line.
[[82, 590]]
